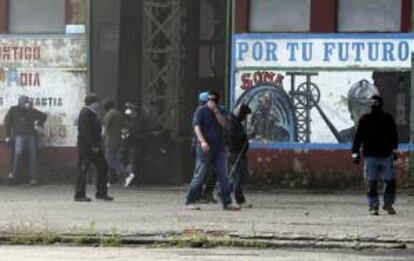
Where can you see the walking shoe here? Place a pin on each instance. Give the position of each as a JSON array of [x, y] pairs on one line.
[[129, 179], [373, 211], [232, 207], [389, 209], [105, 198], [192, 207], [83, 199]]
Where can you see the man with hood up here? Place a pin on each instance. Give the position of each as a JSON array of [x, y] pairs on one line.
[[238, 145], [132, 134], [21, 123], [90, 150], [377, 135]]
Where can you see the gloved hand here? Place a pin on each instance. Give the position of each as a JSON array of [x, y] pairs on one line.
[[355, 158], [7, 140]]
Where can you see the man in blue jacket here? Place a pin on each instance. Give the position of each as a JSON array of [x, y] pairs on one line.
[[209, 123]]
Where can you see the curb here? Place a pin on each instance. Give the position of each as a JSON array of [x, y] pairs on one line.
[[199, 239]]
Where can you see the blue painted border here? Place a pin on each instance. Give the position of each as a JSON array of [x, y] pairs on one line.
[[315, 146], [308, 146], [325, 36]]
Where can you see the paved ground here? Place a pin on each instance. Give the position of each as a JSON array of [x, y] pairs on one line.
[[161, 210], [38, 253]]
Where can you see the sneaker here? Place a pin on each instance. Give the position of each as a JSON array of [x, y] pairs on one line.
[[129, 179], [83, 199], [389, 209], [105, 198], [33, 182], [373, 211], [192, 207], [232, 207]]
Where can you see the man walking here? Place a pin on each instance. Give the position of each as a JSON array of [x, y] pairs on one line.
[[132, 136], [90, 150], [209, 123], [112, 124], [21, 123], [238, 145], [377, 135]]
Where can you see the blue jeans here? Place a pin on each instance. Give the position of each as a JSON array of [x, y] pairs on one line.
[[218, 161], [239, 175], [25, 145], [113, 158], [373, 169]]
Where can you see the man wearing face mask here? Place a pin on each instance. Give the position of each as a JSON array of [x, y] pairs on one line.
[[90, 150], [209, 123], [131, 135], [21, 122], [377, 135]]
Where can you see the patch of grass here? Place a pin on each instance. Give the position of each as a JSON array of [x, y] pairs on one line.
[[26, 234], [112, 240], [86, 236], [201, 239]]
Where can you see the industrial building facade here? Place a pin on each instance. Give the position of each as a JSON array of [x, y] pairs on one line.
[[160, 54]]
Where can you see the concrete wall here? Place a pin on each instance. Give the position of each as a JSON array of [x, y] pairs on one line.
[[105, 37]]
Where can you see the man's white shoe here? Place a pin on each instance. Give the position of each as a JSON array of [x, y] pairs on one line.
[[232, 207], [129, 179], [192, 207]]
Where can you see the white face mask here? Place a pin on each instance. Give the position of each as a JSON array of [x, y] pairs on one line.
[[128, 111]]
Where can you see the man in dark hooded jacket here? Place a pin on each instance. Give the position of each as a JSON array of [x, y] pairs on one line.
[[21, 122], [377, 135], [238, 145], [90, 150]]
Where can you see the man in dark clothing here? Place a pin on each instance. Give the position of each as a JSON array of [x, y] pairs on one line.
[[132, 135], [90, 150], [209, 123], [377, 135], [112, 124], [21, 123], [238, 145]]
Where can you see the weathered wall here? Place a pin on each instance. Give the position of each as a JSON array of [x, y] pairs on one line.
[[311, 169], [307, 93], [52, 71]]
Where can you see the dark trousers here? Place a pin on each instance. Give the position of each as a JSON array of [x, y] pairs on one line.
[[209, 184], [86, 157], [240, 172]]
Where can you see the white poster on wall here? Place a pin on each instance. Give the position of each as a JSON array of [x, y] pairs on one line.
[[52, 72]]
